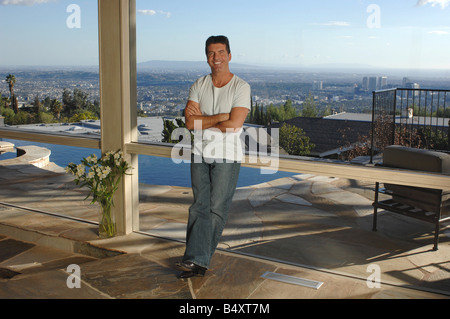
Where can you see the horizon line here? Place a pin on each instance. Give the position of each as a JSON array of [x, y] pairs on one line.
[[294, 68]]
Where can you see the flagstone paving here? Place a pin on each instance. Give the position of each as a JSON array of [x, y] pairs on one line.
[[312, 227]]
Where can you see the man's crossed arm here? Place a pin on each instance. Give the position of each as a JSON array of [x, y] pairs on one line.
[[225, 122]]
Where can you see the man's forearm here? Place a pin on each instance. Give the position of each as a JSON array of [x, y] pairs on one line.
[[206, 121], [227, 126], [235, 122]]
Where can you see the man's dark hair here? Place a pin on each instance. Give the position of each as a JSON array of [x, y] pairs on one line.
[[217, 39]]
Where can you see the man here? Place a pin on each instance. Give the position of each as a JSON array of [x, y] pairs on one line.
[[217, 107]]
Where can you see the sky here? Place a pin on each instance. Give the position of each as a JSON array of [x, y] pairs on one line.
[[406, 34]]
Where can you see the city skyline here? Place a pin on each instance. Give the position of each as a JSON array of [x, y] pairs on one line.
[[407, 34]]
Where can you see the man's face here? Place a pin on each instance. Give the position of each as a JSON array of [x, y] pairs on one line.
[[218, 57]]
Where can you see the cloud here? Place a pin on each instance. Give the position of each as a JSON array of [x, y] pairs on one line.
[[23, 2], [442, 3], [153, 12], [147, 12], [336, 24], [438, 32]]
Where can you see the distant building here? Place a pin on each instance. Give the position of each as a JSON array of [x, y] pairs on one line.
[[412, 85], [373, 83], [317, 85], [365, 83], [404, 81], [382, 82]]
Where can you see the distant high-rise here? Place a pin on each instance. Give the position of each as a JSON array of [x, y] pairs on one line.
[[412, 85], [405, 81], [372, 83], [382, 82], [365, 83], [317, 85]]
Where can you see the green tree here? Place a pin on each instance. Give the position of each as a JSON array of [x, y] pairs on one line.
[[46, 103], [8, 114], [77, 102], [37, 109], [82, 115], [309, 107], [11, 80], [67, 102], [326, 111], [294, 140], [282, 113], [275, 113], [22, 117], [168, 127], [289, 110], [56, 107]]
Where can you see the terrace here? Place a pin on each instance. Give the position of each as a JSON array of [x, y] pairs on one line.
[[315, 225], [314, 229]]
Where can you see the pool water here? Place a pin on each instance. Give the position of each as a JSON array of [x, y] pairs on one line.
[[153, 170], [8, 155]]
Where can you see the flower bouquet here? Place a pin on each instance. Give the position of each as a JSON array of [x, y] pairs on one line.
[[102, 177]]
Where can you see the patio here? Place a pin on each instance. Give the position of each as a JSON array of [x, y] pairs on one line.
[[309, 227]]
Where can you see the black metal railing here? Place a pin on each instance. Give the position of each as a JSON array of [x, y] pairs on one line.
[[411, 117]]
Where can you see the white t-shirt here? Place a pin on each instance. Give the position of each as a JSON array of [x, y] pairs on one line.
[[214, 144]]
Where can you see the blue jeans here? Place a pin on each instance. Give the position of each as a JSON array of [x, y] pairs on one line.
[[213, 186]]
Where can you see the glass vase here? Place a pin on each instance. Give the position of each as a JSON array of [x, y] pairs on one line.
[[107, 222]]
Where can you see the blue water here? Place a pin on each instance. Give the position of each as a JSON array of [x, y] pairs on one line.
[[8, 155], [152, 169]]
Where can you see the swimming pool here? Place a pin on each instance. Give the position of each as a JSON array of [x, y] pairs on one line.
[[152, 169]]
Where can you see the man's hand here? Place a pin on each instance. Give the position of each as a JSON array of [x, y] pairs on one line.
[[192, 109], [235, 121]]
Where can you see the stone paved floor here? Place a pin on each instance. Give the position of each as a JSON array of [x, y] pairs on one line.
[[309, 227], [321, 222]]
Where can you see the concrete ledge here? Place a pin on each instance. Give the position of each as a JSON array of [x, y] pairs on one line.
[[57, 242], [6, 146], [34, 155]]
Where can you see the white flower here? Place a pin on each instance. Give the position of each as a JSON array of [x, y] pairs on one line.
[[91, 174], [110, 155], [105, 172], [80, 170], [92, 159], [99, 174], [68, 169]]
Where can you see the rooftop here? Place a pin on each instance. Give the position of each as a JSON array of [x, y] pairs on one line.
[[415, 120], [150, 128], [328, 134]]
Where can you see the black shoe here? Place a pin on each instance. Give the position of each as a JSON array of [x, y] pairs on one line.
[[188, 274], [190, 269]]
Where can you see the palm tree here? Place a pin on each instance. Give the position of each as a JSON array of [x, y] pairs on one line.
[[11, 80], [56, 107]]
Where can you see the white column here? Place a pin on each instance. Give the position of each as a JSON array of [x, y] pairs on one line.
[[117, 58]]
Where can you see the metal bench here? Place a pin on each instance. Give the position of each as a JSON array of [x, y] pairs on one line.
[[429, 205]]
